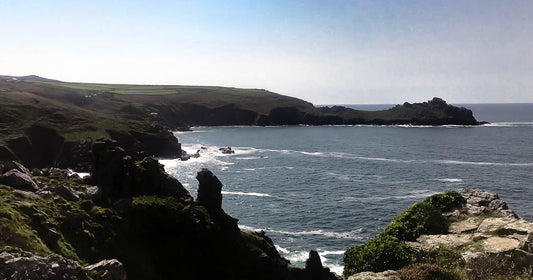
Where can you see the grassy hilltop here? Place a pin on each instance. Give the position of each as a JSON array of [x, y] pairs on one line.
[[46, 122]]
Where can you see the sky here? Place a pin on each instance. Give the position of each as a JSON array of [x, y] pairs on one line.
[[325, 52]]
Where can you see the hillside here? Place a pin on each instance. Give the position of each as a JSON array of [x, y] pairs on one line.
[[46, 122]]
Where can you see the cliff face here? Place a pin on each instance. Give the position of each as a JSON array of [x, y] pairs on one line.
[[134, 212], [479, 237]]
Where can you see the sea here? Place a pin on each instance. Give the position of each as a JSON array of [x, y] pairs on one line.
[[332, 187]]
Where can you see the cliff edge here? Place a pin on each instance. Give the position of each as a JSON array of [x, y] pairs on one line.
[[469, 234]]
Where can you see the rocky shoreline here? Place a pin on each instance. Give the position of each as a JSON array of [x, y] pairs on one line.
[[130, 220], [484, 240]]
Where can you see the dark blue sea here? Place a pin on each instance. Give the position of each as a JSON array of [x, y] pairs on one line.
[[332, 187]]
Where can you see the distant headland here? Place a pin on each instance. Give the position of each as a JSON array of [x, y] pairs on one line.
[[52, 123]]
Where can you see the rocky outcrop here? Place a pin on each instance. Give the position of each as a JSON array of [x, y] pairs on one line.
[[120, 176], [22, 265], [107, 270], [314, 270], [484, 238], [486, 228], [16, 264], [367, 275], [17, 176], [226, 150], [210, 196], [131, 218]]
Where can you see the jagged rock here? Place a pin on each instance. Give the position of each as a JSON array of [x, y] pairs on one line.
[[27, 266], [479, 201], [313, 270], [36, 172], [107, 270], [66, 192], [226, 150], [487, 232], [91, 193], [385, 275], [209, 191], [11, 164], [120, 176], [210, 196], [185, 156], [18, 180]]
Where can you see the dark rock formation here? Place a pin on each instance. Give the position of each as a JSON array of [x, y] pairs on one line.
[[120, 176], [210, 196], [226, 150], [19, 180], [314, 270]]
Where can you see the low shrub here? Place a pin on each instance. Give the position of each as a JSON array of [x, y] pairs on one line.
[[388, 250], [424, 217], [379, 254]]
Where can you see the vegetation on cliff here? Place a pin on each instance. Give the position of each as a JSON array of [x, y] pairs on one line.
[[388, 250], [469, 234]]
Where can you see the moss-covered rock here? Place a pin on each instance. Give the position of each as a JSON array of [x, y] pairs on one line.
[[389, 250]]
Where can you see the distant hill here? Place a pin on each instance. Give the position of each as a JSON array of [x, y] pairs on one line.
[[72, 112]]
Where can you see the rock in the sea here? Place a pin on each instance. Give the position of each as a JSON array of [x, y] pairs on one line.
[[18, 180], [226, 150], [107, 270], [313, 270], [27, 266]]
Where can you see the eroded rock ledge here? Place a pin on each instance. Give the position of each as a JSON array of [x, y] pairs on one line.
[[484, 240]]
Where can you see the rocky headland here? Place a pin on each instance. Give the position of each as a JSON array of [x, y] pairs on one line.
[[49, 123], [128, 220], [469, 234]]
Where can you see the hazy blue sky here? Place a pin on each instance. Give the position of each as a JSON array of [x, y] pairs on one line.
[[331, 51]]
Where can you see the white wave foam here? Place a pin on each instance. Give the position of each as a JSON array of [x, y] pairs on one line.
[[353, 234], [253, 169], [250, 158], [449, 180], [249, 228], [246, 193], [300, 256], [508, 124], [326, 253], [81, 174], [282, 250], [417, 194], [525, 164]]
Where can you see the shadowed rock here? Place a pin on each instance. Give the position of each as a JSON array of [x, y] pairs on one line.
[[27, 266], [107, 270], [120, 176], [210, 196], [18, 180]]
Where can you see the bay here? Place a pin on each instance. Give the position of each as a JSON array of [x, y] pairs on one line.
[[332, 187]]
